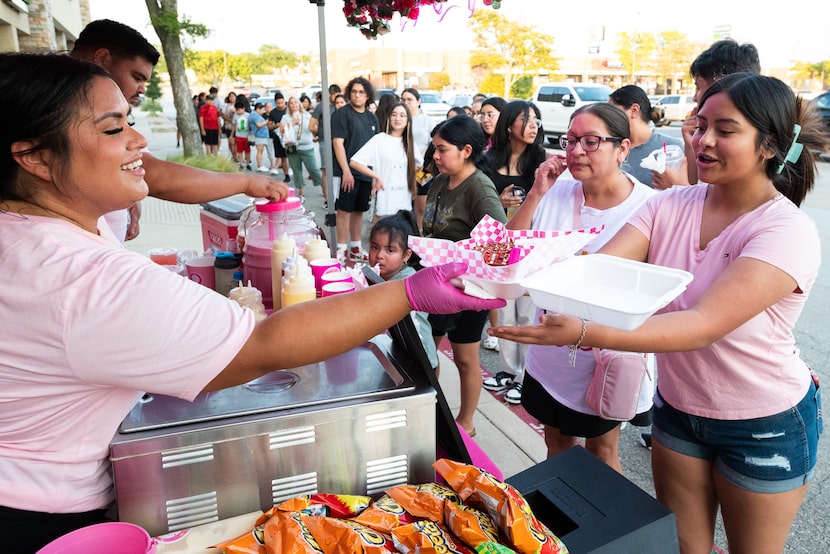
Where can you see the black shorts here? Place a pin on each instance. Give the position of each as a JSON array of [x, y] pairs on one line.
[[545, 408], [212, 137], [25, 531], [226, 132], [279, 150], [461, 328], [357, 199]]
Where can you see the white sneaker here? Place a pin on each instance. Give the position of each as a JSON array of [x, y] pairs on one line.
[[498, 382], [513, 394], [274, 171], [262, 169], [491, 343]]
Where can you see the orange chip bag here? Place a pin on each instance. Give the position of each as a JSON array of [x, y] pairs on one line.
[[384, 515], [342, 536], [285, 533], [508, 508], [334, 505], [427, 537], [424, 501], [252, 542], [473, 527]]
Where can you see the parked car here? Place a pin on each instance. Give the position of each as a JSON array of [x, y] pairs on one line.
[[381, 91], [433, 106], [461, 100], [676, 107], [558, 101], [822, 103]]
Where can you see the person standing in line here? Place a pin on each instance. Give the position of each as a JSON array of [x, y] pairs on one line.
[[274, 117], [130, 59], [488, 117], [598, 195], [422, 124], [240, 134], [644, 140], [737, 412], [389, 158], [294, 132], [209, 125], [318, 129], [459, 197], [269, 145], [227, 123], [351, 127], [515, 153], [258, 126]]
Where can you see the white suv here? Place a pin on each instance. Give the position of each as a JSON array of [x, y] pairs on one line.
[[558, 101], [676, 107]]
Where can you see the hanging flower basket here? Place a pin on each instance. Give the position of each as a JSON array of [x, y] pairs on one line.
[[372, 17]]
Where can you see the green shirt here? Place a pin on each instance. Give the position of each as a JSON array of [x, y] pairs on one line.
[[452, 214]]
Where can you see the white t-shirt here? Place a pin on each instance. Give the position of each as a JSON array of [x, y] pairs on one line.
[[549, 364], [89, 327], [422, 126], [386, 156]]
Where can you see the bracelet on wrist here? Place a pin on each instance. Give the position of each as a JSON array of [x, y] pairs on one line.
[[572, 348]]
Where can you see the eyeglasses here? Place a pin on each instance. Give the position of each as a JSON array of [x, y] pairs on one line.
[[130, 118], [358, 91], [537, 122], [487, 115], [589, 143]]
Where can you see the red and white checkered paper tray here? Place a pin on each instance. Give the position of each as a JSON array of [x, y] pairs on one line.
[[538, 249]]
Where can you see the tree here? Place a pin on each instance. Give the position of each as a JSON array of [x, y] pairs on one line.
[[437, 81], [164, 15], [510, 49], [209, 66], [636, 52], [522, 88], [672, 56], [151, 104]]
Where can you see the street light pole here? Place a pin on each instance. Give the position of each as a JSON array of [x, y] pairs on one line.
[[328, 158]]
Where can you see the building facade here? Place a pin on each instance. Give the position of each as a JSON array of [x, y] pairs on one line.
[[41, 25]]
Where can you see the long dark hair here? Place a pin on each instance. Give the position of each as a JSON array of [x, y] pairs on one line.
[[408, 144], [460, 131], [500, 150], [55, 80], [629, 95], [771, 107]]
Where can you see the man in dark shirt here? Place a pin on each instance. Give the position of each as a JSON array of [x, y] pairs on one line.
[[274, 118], [351, 127]]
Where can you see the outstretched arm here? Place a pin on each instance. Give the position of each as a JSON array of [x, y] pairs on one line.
[[189, 185]]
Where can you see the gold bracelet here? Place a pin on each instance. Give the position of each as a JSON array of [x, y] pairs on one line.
[[572, 348]]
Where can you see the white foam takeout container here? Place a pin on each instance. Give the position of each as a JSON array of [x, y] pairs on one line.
[[605, 289]]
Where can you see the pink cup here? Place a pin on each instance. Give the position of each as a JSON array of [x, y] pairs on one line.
[[321, 266], [103, 538], [340, 287], [201, 270], [164, 256], [335, 277]]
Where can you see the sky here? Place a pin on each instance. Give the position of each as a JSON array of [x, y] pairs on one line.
[[781, 37]]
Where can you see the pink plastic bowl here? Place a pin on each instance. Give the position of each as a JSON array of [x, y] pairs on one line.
[[103, 538]]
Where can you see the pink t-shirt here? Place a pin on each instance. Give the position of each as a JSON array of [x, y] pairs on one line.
[[88, 327], [755, 370]]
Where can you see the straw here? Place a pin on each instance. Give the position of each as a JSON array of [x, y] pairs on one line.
[[271, 223], [664, 148]]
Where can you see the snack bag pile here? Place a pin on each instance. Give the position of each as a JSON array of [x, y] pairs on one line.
[[496, 253], [476, 513]]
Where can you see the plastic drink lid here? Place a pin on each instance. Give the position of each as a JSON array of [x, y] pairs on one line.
[[290, 203]]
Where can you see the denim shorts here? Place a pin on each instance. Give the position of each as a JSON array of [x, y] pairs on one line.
[[769, 454]]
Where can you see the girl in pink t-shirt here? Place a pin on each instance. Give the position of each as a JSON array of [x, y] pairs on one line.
[[737, 412]]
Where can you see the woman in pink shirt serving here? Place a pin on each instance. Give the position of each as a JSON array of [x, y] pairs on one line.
[[737, 413]]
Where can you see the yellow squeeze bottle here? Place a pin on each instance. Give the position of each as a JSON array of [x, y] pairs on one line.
[[300, 287], [315, 249], [281, 249]]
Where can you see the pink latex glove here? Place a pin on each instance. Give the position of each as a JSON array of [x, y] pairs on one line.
[[429, 290]]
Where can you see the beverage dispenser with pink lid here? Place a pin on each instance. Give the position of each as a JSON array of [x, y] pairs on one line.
[[260, 226]]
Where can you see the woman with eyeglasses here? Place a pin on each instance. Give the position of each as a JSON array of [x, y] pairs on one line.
[[515, 154], [596, 194]]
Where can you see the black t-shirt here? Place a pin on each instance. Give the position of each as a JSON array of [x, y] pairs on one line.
[[356, 128]]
